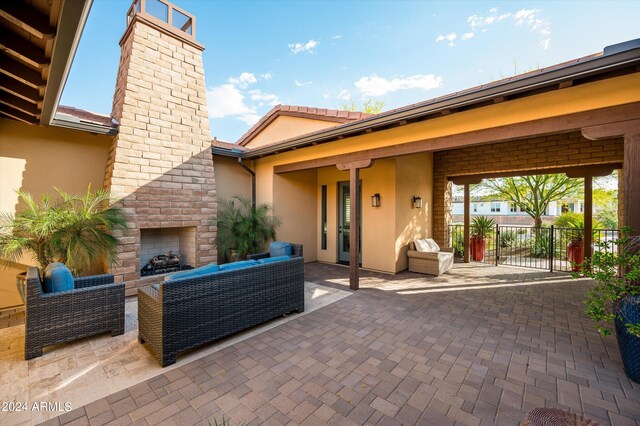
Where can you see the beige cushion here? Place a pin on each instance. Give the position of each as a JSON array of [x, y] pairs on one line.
[[434, 246], [423, 246]]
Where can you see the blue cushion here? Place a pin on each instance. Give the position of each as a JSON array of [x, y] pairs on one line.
[[57, 277], [238, 265], [203, 270], [274, 259], [279, 249]]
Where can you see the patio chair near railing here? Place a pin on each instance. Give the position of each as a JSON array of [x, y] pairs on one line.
[[95, 305]]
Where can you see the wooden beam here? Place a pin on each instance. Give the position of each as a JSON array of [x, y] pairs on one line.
[[354, 232], [467, 223], [611, 130], [20, 48], [20, 89], [553, 125], [565, 84], [19, 104], [21, 72], [28, 18], [631, 175], [362, 164], [17, 115], [572, 172], [588, 215]]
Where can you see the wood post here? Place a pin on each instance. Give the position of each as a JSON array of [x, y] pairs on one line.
[[632, 182], [354, 218], [588, 215], [467, 222]]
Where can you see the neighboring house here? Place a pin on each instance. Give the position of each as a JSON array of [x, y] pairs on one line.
[[508, 213], [155, 151]]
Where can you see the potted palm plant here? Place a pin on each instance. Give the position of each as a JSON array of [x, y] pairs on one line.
[[574, 224], [481, 228], [244, 229], [615, 296], [77, 230]]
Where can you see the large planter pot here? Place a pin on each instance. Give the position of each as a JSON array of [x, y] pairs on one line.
[[477, 246], [575, 254], [629, 310]]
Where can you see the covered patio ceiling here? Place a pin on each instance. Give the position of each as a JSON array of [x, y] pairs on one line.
[[38, 39]]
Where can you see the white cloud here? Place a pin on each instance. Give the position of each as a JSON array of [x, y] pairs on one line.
[[302, 83], [233, 99], [303, 47], [266, 76], [524, 17], [451, 38], [336, 37], [344, 95], [380, 86], [467, 36]]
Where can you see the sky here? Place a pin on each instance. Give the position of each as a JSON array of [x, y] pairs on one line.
[[323, 53]]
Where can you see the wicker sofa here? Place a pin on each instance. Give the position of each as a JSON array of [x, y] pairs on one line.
[[186, 313], [94, 306], [430, 263], [296, 251]]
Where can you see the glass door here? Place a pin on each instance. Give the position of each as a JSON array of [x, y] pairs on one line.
[[344, 223]]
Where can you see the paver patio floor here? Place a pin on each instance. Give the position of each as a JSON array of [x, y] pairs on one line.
[[481, 345]]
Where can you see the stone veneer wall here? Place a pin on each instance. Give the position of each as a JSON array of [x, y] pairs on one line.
[[561, 150], [160, 162]]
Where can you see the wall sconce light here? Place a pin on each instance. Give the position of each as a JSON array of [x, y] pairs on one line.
[[417, 202], [375, 200]]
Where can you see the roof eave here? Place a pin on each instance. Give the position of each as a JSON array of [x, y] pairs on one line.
[[73, 15], [534, 81], [100, 129]]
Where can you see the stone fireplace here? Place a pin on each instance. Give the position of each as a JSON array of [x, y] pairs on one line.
[[160, 163]]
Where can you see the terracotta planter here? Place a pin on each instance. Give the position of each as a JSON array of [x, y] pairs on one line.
[[477, 246], [575, 254]]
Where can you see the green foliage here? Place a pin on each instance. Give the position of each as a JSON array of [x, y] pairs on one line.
[[611, 288], [242, 228], [370, 106], [76, 230], [532, 194], [608, 217], [457, 242], [482, 226], [508, 238], [570, 220]]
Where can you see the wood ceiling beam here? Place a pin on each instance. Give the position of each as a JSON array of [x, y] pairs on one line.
[[28, 18], [21, 72], [573, 172], [20, 48], [17, 115], [19, 104], [20, 89]]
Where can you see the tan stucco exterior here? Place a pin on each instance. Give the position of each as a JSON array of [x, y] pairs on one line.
[[234, 180], [37, 159], [285, 127]]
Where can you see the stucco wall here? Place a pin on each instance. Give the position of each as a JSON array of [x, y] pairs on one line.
[[232, 180], [37, 159], [294, 203], [414, 176], [285, 127]]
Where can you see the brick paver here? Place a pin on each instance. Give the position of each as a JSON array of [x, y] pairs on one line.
[[479, 346]]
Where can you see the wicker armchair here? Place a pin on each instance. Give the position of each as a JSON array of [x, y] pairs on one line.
[[186, 313], [94, 306], [430, 263], [296, 251]]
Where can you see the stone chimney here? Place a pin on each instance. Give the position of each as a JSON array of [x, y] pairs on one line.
[[160, 163]]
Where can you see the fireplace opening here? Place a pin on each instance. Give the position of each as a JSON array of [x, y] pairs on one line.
[[166, 250]]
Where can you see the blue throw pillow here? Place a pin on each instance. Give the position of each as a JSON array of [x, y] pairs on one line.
[[274, 259], [57, 277], [238, 265], [279, 249], [203, 270]]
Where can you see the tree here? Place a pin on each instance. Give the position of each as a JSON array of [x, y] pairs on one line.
[[532, 194], [76, 230], [370, 106]]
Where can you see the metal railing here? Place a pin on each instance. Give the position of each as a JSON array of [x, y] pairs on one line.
[[550, 248]]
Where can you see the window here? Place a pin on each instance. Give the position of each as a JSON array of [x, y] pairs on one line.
[[475, 207], [513, 208], [323, 220], [495, 207], [581, 207]]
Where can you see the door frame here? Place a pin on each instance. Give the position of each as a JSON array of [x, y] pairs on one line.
[[339, 208]]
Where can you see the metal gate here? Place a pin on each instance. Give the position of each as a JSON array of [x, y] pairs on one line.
[[550, 248]]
